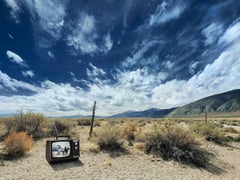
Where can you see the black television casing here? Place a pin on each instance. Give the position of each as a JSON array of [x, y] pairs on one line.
[[74, 150]]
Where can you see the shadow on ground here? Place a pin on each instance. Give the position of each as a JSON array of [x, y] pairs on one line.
[[215, 169], [66, 165], [116, 153]]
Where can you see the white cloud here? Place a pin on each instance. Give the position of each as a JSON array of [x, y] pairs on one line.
[[84, 37], [16, 58], [29, 73], [48, 14], [94, 71], [166, 12], [212, 33], [10, 36], [138, 55], [51, 55], [73, 77], [108, 43], [168, 64], [72, 74], [231, 35], [15, 9], [220, 76], [193, 66], [14, 84]]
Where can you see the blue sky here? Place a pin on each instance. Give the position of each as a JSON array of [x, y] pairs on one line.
[[58, 56]]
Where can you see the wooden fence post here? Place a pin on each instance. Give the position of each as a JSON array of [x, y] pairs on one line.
[[93, 114]]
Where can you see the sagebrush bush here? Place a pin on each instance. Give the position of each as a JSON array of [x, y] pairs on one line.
[[173, 142], [17, 144], [211, 132], [27, 122], [129, 130], [84, 122], [108, 137], [89, 147], [63, 128], [87, 122]]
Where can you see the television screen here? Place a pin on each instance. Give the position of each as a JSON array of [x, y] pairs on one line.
[[60, 149]]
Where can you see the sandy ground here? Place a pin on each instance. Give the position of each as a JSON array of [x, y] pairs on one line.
[[130, 165]]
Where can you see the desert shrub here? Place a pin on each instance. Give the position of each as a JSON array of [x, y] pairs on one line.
[[108, 137], [89, 147], [210, 131], [129, 130], [17, 144], [139, 146], [174, 142], [237, 139], [84, 122], [27, 122], [87, 122], [63, 128]]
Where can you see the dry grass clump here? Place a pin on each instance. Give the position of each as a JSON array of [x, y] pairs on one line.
[[84, 122], [90, 147], [173, 142], [210, 131], [129, 130], [31, 123], [17, 144], [108, 137], [87, 122], [139, 146]]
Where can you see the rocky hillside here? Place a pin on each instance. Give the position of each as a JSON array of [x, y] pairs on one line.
[[225, 102]]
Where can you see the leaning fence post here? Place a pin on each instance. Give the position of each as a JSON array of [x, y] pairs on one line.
[[93, 114]]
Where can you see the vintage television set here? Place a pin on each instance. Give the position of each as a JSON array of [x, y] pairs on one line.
[[60, 150]]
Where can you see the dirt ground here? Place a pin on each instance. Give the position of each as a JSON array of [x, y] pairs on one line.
[[132, 164]]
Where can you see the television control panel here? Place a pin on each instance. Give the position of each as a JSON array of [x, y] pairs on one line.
[[76, 152]]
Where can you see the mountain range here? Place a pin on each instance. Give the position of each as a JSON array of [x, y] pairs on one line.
[[219, 103]]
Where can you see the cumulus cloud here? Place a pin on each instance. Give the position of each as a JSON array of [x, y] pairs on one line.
[[29, 73], [231, 35], [16, 58], [166, 11], [212, 33]]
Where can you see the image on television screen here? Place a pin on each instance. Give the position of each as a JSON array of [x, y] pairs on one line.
[[60, 149]]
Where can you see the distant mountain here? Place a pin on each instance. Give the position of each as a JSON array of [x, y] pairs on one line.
[[225, 102], [153, 113]]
